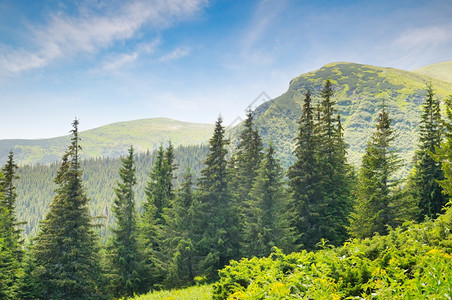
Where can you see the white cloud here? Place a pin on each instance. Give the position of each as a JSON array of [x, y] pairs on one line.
[[116, 61], [66, 35], [176, 54], [424, 37]]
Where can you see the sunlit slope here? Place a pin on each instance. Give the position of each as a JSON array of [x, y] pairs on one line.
[[441, 71], [360, 91]]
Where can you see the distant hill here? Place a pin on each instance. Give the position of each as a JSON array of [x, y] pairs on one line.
[[110, 141], [441, 71], [359, 92]]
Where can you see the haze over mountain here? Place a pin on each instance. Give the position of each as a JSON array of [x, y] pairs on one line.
[[110, 140]]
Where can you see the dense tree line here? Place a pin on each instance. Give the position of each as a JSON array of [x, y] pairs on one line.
[[239, 203]]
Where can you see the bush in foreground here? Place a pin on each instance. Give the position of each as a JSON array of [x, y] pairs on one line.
[[412, 262]]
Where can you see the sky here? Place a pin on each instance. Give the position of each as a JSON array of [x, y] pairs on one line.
[[191, 60]]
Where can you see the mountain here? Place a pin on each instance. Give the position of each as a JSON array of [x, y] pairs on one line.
[[441, 71], [110, 141], [359, 93]]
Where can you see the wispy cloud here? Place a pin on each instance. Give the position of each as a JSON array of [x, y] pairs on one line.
[[176, 54], [116, 61], [424, 37], [265, 16], [419, 46], [65, 35]]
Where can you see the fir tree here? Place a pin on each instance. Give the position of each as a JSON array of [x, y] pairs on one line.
[[267, 223], [304, 177], [320, 178], [247, 159], [66, 248], [159, 193], [13, 238], [11, 253], [125, 258], [376, 193], [244, 166], [445, 151], [9, 265], [179, 235], [427, 171], [336, 175], [218, 242]]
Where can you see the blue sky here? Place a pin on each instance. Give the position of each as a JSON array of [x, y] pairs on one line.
[[191, 60]]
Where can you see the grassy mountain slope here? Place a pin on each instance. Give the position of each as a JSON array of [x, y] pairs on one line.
[[441, 71], [359, 92], [110, 141]]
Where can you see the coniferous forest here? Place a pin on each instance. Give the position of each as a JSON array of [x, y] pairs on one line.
[[241, 222]]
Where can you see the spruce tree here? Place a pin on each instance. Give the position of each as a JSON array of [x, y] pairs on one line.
[[125, 257], [304, 179], [217, 242], [247, 159], [376, 190], [336, 174], [179, 235], [445, 151], [244, 166], [8, 200], [66, 248], [159, 193], [427, 171], [267, 224], [9, 265], [320, 178], [11, 253]]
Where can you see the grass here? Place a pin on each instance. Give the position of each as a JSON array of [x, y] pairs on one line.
[[441, 70], [201, 292]]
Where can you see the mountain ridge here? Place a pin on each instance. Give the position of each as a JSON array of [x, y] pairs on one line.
[[111, 140]]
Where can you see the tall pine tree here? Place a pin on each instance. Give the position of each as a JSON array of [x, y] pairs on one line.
[[244, 166], [336, 174], [179, 235], [376, 190], [126, 260], [445, 151], [247, 159], [8, 201], [159, 193], [320, 178], [267, 223], [217, 243], [66, 248], [9, 265], [427, 171], [304, 179]]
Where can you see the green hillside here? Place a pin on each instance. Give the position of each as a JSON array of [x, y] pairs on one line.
[[359, 92], [441, 70], [110, 141]]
